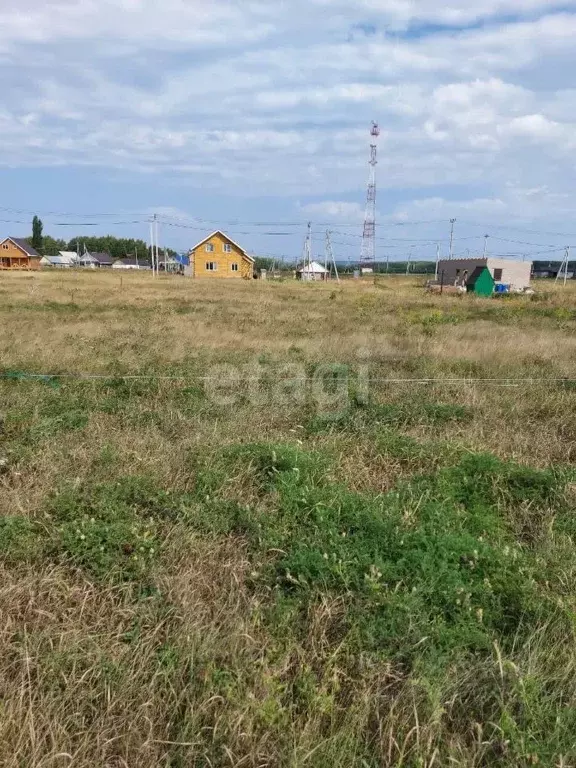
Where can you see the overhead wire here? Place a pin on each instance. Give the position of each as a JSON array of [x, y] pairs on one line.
[[197, 224], [517, 229], [190, 220]]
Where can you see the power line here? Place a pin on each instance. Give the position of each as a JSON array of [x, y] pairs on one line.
[[518, 229], [82, 215], [190, 221], [522, 242], [193, 222]]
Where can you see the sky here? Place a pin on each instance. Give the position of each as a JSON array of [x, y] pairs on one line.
[[253, 116]]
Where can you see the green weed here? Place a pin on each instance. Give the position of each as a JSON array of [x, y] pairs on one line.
[[111, 530], [21, 540], [433, 565]]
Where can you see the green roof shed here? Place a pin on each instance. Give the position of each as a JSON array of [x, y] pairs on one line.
[[481, 282]]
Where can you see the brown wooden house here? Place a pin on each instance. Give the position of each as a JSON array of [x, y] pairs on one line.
[[16, 253]]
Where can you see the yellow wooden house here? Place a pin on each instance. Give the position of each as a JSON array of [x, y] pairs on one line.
[[17, 253], [218, 256]]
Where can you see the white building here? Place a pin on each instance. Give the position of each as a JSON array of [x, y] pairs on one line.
[[312, 271], [64, 260], [516, 274], [130, 264], [87, 260]]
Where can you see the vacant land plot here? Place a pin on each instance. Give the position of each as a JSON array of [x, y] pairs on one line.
[[285, 525]]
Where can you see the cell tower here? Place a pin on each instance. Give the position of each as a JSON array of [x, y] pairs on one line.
[[368, 254]]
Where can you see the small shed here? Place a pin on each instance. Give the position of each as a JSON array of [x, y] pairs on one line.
[[481, 282], [311, 271]]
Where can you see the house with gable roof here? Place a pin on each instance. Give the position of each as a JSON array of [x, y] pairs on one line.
[[218, 256], [17, 253]]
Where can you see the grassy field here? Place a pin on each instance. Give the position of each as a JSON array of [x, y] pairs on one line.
[[285, 525]]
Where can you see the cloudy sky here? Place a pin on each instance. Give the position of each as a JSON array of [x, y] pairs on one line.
[[246, 112]]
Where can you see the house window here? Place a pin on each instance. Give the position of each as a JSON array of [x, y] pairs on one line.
[[235, 268], [209, 248], [211, 266], [5, 246], [227, 248], [497, 275]]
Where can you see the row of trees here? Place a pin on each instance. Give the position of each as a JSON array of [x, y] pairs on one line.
[[117, 247]]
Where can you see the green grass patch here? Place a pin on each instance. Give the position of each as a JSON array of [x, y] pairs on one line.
[[359, 418], [21, 540], [431, 567], [111, 530]]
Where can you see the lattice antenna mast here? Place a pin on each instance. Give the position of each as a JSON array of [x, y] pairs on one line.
[[368, 253]]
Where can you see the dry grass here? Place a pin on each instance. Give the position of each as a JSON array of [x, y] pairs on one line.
[[199, 666]]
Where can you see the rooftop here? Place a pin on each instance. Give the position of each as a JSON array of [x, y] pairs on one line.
[[24, 245]]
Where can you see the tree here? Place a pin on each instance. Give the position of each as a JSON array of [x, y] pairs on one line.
[[262, 262], [51, 246], [117, 247], [37, 239]]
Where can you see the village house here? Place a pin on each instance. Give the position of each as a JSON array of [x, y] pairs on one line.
[[63, 260], [87, 260], [506, 272], [102, 259], [131, 264], [16, 253], [218, 256]]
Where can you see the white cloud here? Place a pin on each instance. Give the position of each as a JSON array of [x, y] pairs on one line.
[[275, 98], [334, 209]]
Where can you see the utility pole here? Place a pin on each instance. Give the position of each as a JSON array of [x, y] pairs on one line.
[[330, 255], [152, 245], [156, 241], [307, 267], [564, 267], [437, 261], [452, 222], [486, 245]]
